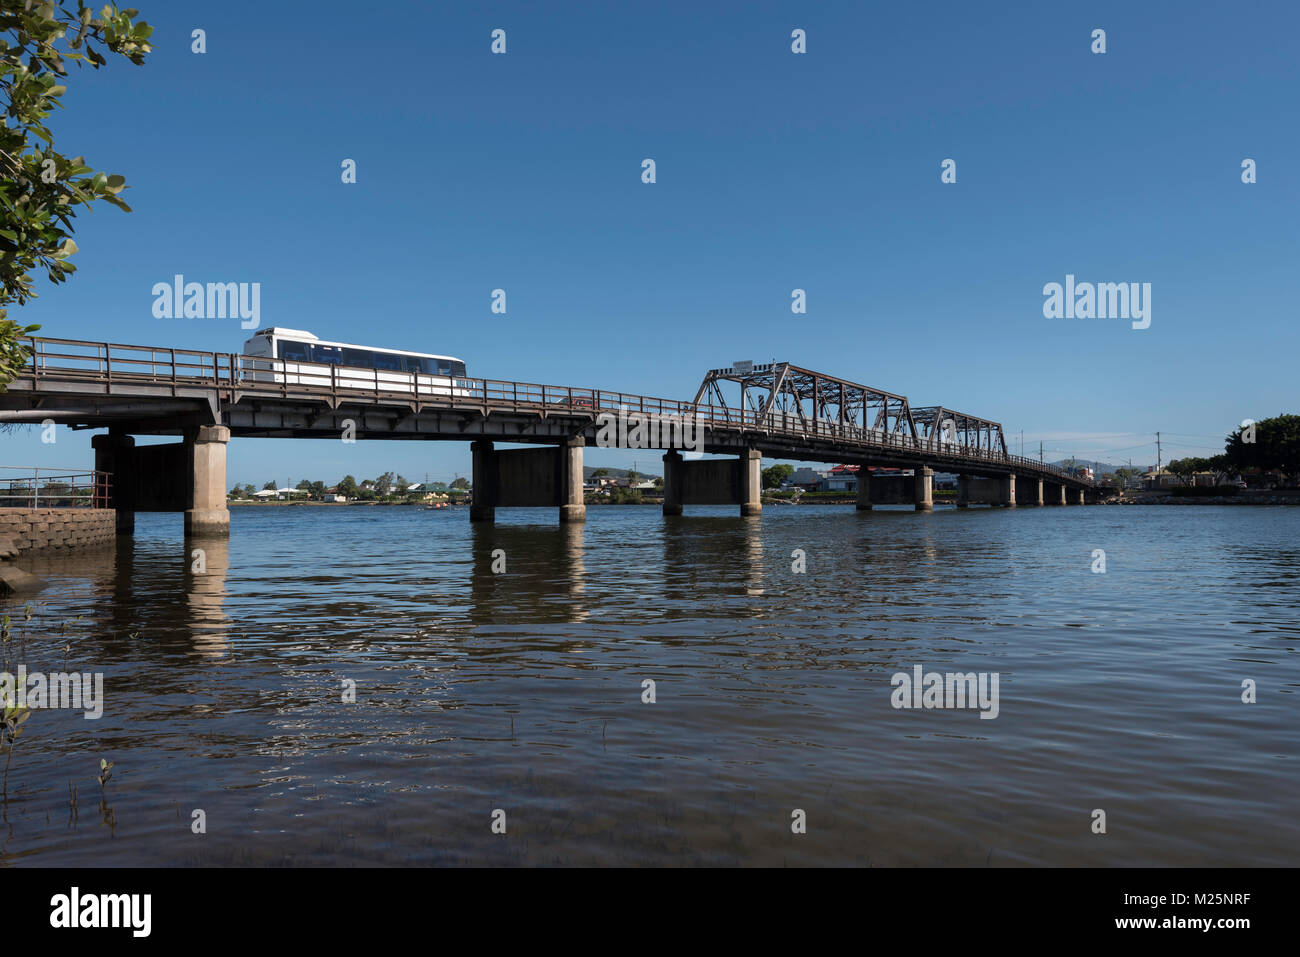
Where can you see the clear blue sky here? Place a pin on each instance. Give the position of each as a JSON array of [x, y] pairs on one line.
[[775, 171]]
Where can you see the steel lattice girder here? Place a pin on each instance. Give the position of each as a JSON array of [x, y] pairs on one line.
[[801, 396], [969, 431]]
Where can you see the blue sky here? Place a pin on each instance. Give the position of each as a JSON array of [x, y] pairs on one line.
[[775, 171]]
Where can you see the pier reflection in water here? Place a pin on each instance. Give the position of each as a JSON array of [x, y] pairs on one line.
[[227, 687]]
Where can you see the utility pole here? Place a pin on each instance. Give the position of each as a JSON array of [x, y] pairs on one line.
[[1158, 459]]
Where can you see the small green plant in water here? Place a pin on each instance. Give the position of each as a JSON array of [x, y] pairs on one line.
[[11, 728]]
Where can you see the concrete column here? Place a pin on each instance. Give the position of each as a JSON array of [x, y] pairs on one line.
[[924, 489], [1076, 496], [1057, 495], [113, 454], [864, 489], [1036, 492], [751, 482], [1007, 491], [482, 506], [206, 452], [572, 506], [673, 482], [963, 491]]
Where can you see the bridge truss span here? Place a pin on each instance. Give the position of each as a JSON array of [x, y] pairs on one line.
[[777, 409]]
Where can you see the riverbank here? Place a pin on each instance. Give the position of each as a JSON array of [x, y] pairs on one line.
[[1246, 497]]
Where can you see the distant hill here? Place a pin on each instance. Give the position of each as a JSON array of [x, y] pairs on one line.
[[617, 473], [1098, 468]]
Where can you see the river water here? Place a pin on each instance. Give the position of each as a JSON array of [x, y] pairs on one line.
[[515, 696]]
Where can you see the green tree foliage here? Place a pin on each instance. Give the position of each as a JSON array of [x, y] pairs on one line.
[[1276, 447], [774, 475], [41, 189], [348, 487], [1186, 468]]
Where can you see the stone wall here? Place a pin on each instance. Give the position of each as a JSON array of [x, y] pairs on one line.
[[33, 529]]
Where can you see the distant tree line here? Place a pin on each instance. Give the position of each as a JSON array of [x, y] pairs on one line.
[[389, 487], [1267, 446]]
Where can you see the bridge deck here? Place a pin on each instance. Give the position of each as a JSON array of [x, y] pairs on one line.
[[163, 390]]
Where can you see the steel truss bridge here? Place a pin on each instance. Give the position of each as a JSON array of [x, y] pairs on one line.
[[778, 409]]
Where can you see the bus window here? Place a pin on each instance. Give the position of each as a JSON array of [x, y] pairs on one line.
[[388, 362], [328, 354], [294, 351], [458, 368], [413, 363], [444, 367], [358, 358]]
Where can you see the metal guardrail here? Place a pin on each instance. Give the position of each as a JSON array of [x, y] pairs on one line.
[[113, 363], [53, 488]]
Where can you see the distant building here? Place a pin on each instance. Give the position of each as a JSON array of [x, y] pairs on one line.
[[1160, 478], [842, 478], [807, 479]]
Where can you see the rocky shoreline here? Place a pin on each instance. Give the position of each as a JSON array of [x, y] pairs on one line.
[[1206, 500]]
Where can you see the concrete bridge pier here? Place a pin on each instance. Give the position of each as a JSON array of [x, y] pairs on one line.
[[1007, 491], [713, 482], [1075, 496], [1054, 493], [673, 482], [573, 507], [115, 454], [205, 453], [984, 490], [187, 476], [864, 489], [528, 478], [1029, 490], [751, 482], [482, 504], [923, 488]]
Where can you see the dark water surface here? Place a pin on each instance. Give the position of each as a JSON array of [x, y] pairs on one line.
[[522, 691]]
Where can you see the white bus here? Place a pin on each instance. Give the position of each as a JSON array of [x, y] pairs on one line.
[[303, 359]]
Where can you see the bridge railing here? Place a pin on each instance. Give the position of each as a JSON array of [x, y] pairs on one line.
[[52, 488], [113, 362]]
